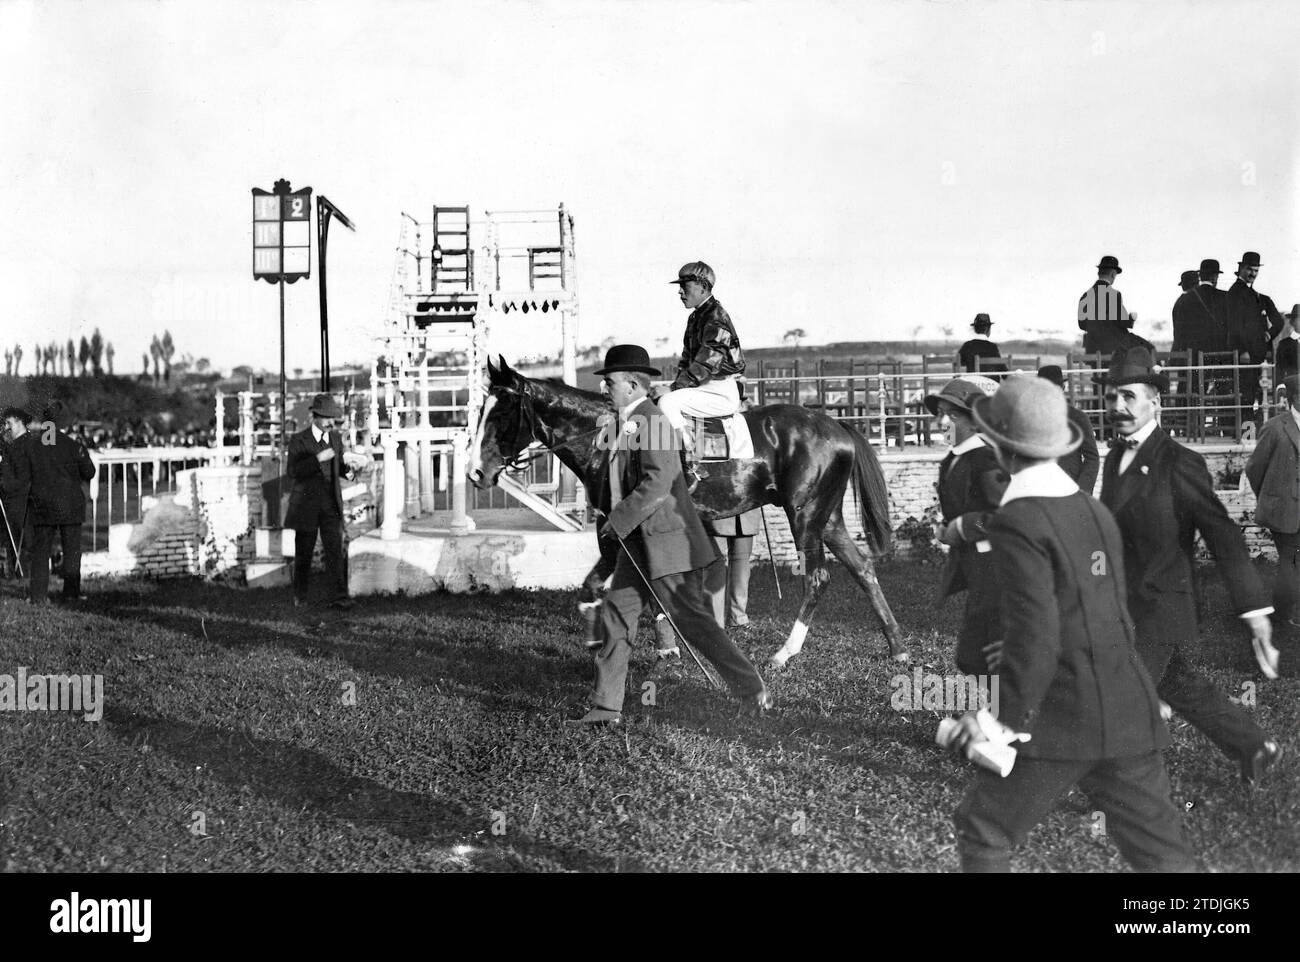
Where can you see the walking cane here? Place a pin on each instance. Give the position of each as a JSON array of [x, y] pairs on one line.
[[18, 563], [664, 609], [771, 560]]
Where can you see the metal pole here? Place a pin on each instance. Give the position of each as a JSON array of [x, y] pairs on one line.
[[664, 609], [322, 238], [768, 540], [284, 400]]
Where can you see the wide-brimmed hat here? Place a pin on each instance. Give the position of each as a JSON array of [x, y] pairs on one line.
[[1189, 277], [1135, 365], [1027, 416], [981, 320], [1210, 266], [1110, 263], [325, 406], [695, 271], [1249, 259], [627, 357], [960, 392]]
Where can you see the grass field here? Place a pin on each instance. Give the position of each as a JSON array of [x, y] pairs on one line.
[[225, 712]]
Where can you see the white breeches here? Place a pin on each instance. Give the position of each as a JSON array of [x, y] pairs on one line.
[[712, 399]]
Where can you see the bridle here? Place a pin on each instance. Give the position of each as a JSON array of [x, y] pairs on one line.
[[528, 424]]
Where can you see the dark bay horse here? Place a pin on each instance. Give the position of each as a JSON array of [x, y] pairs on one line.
[[803, 461]]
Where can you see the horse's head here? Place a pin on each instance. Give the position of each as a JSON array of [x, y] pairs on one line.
[[505, 425]]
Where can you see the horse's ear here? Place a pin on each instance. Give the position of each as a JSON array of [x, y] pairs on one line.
[[491, 370], [505, 366]]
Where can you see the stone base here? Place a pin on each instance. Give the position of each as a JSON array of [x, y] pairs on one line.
[[269, 573], [509, 549]]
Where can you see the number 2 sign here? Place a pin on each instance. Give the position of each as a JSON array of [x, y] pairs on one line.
[[281, 233]]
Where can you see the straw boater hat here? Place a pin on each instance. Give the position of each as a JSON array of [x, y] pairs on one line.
[[627, 357], [960, 392], [1027, 416], [1135, 365], [325, 406]]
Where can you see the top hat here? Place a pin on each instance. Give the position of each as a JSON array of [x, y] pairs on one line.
[[1110, 263], [960, 392], [695, 271], [1249, 259], [1134, 365], [1210, 266], [1027, 416], [1187, 278], [981, 320], [325, 406], [627, 357], [1053, 373]]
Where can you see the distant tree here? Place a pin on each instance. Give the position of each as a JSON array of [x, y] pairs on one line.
[[9, 363], [916, 332], [18, 358], [168, 350], [144, 362], [72, 358], [946, 330], [794, 336], [297, 372], [108, 355], [155, 351], [97, 353], [83, 355], [202, 365]]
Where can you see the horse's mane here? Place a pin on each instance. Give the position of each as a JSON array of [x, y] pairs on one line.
[[554, 394]]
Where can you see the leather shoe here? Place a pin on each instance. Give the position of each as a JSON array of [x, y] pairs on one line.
[[1264, 758], [595, 718], [758, 704]]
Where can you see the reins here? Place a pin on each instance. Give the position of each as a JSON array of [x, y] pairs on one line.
[[537, 429]]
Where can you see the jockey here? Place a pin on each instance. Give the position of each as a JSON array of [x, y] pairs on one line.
[[711, 361]]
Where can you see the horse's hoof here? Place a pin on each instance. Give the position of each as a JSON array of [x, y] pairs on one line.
[[775, 663], [902, 656]]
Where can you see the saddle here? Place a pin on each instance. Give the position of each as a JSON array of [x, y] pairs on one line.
[[721, 439]]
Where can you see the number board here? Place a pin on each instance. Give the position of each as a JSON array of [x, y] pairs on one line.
[[281, 235]]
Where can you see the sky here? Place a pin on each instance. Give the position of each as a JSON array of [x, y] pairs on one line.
[[860, 170]]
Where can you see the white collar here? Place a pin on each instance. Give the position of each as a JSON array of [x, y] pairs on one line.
[[979, 337], [625, 413], [1042, 480], [1144, 432], [318, 434], [970, 444]]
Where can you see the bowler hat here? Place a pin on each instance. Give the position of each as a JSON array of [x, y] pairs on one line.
[[1053, 373], [1210, 266], [1110, 263], [1027, 416], [960, 392], [695, 271], [325, 406], [981, 320], [627, 357], [1249, 259], [1294, 312], [1135, 365], [1188, 278]]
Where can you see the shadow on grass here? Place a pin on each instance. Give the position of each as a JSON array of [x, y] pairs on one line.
[[302, 780]]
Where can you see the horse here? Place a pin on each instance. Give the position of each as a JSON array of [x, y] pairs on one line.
[[803, 461]]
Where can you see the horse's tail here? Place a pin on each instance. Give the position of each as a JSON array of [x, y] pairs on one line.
[[871, 492]]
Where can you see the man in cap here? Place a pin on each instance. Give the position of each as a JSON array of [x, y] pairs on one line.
[[49, 470], [970, 489], [1072, 689], [663, 545], [705, 385], [1274, 474], [980, 346], [19, 535], [317, 465], [1161, 495], [1252, 322], [1102, 317], [1083, 463]]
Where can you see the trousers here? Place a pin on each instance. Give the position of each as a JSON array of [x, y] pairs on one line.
[[70, 540], [712, 399], [726, 581], [1132, 793], [330, 528], [1286, 590], [682, 595]]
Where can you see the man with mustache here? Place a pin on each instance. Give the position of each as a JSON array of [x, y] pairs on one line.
[[1161, 494], [1252, 323]]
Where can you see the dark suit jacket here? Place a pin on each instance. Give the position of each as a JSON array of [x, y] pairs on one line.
[[1107, 335], [49, 477], [317, 492], [1251, 321], [1083, 463], [1196, 328], [977, 347], [1274, 474], [14, 498], [1071, 675], [970, 488], [1159, 511], [655, 501]]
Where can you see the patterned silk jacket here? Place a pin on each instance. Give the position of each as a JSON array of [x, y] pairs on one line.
[[710, 349]]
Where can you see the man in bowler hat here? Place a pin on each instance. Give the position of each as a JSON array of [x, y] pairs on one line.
[[1161, 495], [317, 465], [1073, 691], [1252, 323], [1274, 475], [980, 346], [1102, 316], [664, 548]]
